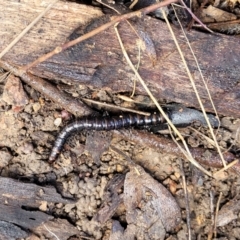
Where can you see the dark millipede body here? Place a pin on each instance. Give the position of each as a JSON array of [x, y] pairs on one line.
[[180, 116], [123, 121]]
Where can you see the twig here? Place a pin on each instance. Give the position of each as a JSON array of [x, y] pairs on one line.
[[117, 19], [26, 29], [72, 105]]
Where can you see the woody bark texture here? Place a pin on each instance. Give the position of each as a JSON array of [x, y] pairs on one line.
[[99, 62]]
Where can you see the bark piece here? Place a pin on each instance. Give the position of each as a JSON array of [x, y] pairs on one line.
[[20, 204], [213, 14], [9, 231], [23, 218], [27, 194], [111, 199]]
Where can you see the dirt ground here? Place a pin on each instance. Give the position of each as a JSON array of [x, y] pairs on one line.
[[104, 185], [29, 126]]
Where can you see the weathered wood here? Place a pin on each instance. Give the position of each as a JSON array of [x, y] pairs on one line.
[[20, 217], [27, 194], [20, 205], [99, 61], [9, 231]]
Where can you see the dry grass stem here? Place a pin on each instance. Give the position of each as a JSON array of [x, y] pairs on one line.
[[195, 89], [4, 76], [187, 153], [133, 4], [26, 29]]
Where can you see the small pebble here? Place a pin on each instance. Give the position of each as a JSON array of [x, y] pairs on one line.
[[36, 107], [57, 122]]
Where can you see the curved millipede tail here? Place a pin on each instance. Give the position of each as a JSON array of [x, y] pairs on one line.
[[99, 124]]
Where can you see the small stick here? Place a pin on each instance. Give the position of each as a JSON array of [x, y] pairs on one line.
[[72, 105], [112, 107]]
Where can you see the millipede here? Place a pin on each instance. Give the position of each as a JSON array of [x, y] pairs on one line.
[[100, 124], [184, 117]]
